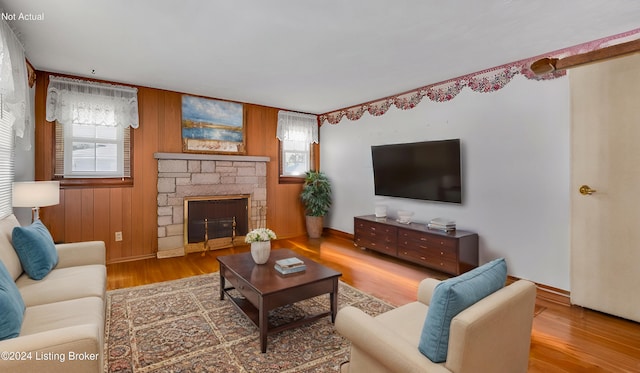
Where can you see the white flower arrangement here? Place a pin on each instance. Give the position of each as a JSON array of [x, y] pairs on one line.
[[260, 235]]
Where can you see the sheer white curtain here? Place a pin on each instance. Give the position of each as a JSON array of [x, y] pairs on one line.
[[74, 101], [297, 127], [14, 85], [15, 117]]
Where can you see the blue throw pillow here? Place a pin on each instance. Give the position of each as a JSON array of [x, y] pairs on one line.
[[452, 296], [11, 306], [36, 249]]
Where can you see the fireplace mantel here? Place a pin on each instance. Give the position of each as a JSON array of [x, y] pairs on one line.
[[211, 157]]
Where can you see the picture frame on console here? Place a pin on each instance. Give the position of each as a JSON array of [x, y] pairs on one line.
[[212, 126]]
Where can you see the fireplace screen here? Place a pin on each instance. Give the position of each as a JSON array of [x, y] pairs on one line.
[[216, 221]]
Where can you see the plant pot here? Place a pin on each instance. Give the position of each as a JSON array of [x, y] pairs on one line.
[[260, 251], [314, 226]]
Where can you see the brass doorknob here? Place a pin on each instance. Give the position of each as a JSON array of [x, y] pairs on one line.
[[586, 190]]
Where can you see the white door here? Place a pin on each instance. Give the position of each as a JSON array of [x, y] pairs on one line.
[[605, 155]]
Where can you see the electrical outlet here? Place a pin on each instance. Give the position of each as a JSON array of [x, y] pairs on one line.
[[118, 236]]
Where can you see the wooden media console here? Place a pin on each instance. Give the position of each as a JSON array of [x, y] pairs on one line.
[[452, 252]]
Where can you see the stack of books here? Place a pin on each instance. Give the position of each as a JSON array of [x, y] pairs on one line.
[[289, 265], [442, 224]]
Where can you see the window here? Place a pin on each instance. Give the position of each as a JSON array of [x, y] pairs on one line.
[[92, 132], [295, 157], [92, 151], [296, 133], [6, 162]]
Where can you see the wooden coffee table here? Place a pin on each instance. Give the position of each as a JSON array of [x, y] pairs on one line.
[[264, 289]]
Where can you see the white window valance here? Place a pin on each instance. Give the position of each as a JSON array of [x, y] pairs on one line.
[[14, 85], [74, 101], [297, 127]]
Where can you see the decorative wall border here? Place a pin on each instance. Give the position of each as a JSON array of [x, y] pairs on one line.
[[489, 80]]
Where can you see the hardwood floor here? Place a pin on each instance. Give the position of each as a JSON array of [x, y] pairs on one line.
[[564, 338]]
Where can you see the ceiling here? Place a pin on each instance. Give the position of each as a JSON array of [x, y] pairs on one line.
[[308, 56]]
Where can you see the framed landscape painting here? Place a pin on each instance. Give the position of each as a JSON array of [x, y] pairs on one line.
[[212, 126]]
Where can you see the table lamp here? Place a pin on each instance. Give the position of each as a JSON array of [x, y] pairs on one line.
[[36, 194]]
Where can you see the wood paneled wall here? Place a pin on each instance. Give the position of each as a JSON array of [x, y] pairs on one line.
[[97, 213]]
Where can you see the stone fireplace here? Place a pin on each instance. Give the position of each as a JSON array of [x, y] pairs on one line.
[[188, 177]]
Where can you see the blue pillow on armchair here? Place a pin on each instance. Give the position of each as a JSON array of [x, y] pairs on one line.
[[36, 249], [452, 296]]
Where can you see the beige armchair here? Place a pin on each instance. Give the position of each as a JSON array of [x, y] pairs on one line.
[[493, 335]]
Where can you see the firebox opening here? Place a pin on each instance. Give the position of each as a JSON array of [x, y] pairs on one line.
[[214, 222]]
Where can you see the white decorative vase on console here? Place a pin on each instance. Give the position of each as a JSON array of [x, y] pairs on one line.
[[260, 251]]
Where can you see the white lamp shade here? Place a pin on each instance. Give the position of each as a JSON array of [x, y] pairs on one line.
[[36, 193]]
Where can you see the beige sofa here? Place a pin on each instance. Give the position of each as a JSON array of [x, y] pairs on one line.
[[63, 326], [493, 335]]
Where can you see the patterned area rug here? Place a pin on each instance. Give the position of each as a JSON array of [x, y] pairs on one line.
[[182, 326]]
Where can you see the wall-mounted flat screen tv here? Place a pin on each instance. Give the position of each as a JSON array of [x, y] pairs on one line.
[[428, 170]]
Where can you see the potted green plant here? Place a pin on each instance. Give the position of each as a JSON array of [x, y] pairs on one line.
[[316, 197]]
